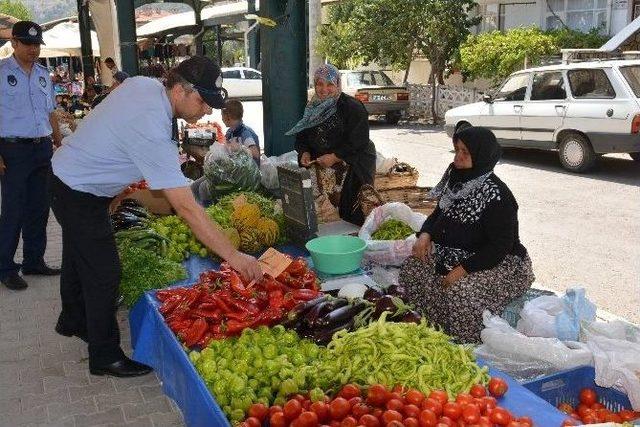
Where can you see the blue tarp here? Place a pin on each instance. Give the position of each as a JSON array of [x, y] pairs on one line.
[[155, 345]]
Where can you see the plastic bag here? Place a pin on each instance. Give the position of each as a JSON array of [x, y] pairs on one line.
[[524, 357], [383, 164], [617, 364], [230, 169], [269, 168], [555, 317], [390, 252]]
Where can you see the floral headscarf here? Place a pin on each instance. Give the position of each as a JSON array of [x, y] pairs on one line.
[[318, 110]]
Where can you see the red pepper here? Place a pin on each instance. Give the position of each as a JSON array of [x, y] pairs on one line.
[[297, 267], [276, 299], [204, 341], [304, 294], [237, 316], [242, 306], [195, 332], [221, 303], [215, 329], [170, 305], [238, 286], [234, 326], [164, 294], [310, 280], [289, 301], [270, 284], [209, 314]]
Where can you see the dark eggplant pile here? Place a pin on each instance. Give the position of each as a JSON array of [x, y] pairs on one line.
[[129, 214], [322, 317]]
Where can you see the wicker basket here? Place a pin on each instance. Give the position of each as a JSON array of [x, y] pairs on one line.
[[417, 198], [399, 175]]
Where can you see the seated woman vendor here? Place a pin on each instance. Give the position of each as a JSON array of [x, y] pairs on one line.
[[334, 130], [468, 256]]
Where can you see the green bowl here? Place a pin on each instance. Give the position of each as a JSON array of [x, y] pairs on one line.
[[336, 254]]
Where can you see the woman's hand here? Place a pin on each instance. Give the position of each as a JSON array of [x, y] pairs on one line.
[[454, 275], [327, 160], [305, 159], [422, 247]]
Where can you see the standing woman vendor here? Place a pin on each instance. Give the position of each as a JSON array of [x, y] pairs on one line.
[[468, 257], [335, 129]]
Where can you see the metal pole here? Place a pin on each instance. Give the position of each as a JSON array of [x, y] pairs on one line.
[[84, 25], [127, 32], [253, 51], [315, 20]]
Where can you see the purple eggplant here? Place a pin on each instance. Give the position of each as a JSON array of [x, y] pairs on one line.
[[372, 295], [323, 336], [321, 310], [385, 303], [411, 317], [341, 315]]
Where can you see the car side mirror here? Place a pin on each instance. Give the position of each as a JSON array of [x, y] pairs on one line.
[[487, 98]]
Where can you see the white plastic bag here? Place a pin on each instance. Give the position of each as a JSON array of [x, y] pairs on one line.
[[555, 317], [269, 168], [525, 357], [383, 164], [390, 252]]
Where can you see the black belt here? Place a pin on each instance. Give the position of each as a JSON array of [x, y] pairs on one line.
[[26, 140]]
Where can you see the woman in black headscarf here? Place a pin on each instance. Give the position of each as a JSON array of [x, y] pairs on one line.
[[468, 256]]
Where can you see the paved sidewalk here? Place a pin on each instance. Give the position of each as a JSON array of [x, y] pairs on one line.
[[44, 377]]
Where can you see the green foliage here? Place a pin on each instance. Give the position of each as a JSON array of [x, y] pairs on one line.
[[15, 8], [232, 50], [495, 55]]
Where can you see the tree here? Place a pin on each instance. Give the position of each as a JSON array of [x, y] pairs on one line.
[[15, 8]]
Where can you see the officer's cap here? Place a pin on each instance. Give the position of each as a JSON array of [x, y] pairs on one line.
[[27, 32], [205, 76]]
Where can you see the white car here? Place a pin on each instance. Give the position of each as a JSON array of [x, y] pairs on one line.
[[242, 82], [581, 109]]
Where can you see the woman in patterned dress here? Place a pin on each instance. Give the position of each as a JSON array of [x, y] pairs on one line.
[[334, 131], [468, 256]]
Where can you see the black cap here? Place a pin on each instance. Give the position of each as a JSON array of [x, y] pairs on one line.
[[27, 32], [206, 77]]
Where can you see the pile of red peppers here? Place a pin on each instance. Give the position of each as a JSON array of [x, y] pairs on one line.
[[221, 304]]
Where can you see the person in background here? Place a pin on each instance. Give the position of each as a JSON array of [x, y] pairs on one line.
[[27, 124], [334, 130], [238, 132], [468, 257], [118, 78]]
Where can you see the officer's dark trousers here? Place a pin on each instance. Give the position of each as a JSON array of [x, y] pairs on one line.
[[90, 271], [25, 203]]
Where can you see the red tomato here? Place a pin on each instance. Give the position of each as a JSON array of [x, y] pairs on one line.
[[308, 419], [292, 409], [349, 422], [452, 410], [485, 422], [497, 387], [583, 410], [433, 405], [360, 409], [427, 418], [488, 402], [322, 411], [440, 395], [395, 423], [369, 420], [478, 390], [464, 399], [306, 405], [446, 421], [627, 415], [513, 423], [470, 414], [295, 423], [588, 396], [613, 418], [377, 413], [601, 414], [590, 418], [253, 422], [410, 422], [500, 416], [391, 415], [395, 404], [277, 420], [274, 409], [339, 408], [569, 422], [300, 398], [399, 388], [566, 408], [525, 421], [259, 411], [414, 397], [377, 395], [335, 423], [349, 391], [395, 395], [354, 401], [411, 411]]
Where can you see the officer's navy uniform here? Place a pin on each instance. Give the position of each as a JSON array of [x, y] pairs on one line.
[[26, 101]]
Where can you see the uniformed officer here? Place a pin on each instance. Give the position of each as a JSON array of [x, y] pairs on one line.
[[124, 139], [27, 123]]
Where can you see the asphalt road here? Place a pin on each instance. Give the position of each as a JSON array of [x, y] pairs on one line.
[[580, 230]]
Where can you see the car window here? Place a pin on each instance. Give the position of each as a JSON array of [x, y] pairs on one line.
[[514, 89], [231, 74], [548, 85], [591, 83], [250, 74], [360, 79], [632, 75], [381, 79]]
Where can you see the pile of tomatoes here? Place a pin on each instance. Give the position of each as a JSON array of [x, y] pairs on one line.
[[591, 411], [379, 407]]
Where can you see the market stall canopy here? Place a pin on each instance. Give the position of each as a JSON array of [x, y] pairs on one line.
[[61, 40], [213, 15], [6, 23], [627, 39]]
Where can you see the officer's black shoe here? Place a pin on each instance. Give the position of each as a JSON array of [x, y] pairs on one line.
[[62, 330], [42, 270], [15, 282], [122, 368]]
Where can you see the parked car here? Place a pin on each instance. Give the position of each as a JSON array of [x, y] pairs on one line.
[[581, 109], [242, 82]]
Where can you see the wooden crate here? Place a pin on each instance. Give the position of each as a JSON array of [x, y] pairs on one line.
[[417, 198]]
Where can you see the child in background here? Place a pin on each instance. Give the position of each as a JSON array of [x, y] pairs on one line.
[[238, 132]]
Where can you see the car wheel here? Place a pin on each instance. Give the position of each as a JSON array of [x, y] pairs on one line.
[[225, 93], [576, 153], [635, 156], [392, 117]]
